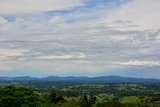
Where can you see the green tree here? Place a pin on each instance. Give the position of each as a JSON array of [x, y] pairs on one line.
[[54, 98], [87, 100], [11, 96], [110, 101]]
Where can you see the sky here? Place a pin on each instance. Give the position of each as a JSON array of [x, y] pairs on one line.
[[80, 38]]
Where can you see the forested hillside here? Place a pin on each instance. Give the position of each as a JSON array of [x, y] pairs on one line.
[[68, 94]]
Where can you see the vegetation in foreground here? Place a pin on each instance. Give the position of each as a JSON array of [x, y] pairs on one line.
[[52, 94]]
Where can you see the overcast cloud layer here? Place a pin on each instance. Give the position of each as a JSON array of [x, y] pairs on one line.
[[80, 37]]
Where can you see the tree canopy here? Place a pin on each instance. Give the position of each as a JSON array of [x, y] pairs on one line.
[[11, 96]]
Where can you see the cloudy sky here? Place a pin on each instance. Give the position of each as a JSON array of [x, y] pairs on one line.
[[80, 38]]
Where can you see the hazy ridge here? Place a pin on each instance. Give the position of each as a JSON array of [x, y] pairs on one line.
[[102, 79]]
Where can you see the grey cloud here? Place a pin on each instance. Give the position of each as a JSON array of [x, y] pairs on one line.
[[102, 43]]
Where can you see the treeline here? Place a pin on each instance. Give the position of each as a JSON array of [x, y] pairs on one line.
[[76, 89], [18, 96]]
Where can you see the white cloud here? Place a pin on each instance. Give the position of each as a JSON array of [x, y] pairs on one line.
[[33, 6], [62, 57], [5, 53], [2, 20], [52, 57], [7, 64], [56, 20], [82, 55], [141, 63], [144, 13], [4, 67]]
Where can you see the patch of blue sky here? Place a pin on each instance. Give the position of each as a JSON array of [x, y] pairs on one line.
[[73, 20], [33, 17], [104, 3], [90, 5], [9, 18], [26, 17]]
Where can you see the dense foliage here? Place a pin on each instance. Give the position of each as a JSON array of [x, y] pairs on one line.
[[11, 96], [56, 94]]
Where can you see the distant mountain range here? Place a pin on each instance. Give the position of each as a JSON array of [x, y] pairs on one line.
[[103, 79]]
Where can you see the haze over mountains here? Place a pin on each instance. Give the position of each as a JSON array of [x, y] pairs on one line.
[[102, 79]]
